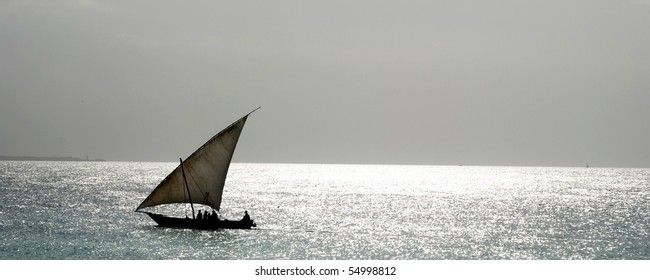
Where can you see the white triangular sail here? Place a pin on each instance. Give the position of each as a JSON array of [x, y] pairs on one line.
[[205, 171]]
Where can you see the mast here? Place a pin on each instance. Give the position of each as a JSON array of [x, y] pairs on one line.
[[188, 188]]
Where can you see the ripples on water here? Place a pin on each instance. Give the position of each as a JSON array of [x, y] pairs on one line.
[[84, 210]]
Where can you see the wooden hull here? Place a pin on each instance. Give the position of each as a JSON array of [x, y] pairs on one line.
[[165, 221]]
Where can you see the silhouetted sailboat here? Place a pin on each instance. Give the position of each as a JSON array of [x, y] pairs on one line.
[[200, 179]]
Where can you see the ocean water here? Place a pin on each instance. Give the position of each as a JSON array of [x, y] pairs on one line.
[[85, 210]]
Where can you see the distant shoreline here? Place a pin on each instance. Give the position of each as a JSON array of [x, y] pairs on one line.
[[25, 158]]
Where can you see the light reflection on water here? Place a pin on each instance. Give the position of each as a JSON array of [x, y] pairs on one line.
[[84, 210]]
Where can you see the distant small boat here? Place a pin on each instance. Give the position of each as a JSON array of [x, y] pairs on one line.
[[200, 179]]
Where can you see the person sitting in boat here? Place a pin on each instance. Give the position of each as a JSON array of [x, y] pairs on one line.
[[199, 216], [206, 216], [246, 217], [214, 216]]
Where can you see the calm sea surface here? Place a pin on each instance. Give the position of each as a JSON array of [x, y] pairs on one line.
[[85, 210]]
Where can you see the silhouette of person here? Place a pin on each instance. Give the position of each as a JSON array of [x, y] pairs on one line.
[[246, 217], [206, 216], [199, 216], [214, 215]]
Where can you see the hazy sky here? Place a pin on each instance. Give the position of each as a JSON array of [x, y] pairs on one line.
[[506, 82]]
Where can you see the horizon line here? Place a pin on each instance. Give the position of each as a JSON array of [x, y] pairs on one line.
[[70, 158]]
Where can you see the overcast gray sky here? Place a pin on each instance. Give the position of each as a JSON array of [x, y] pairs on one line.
[[505, 82]]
